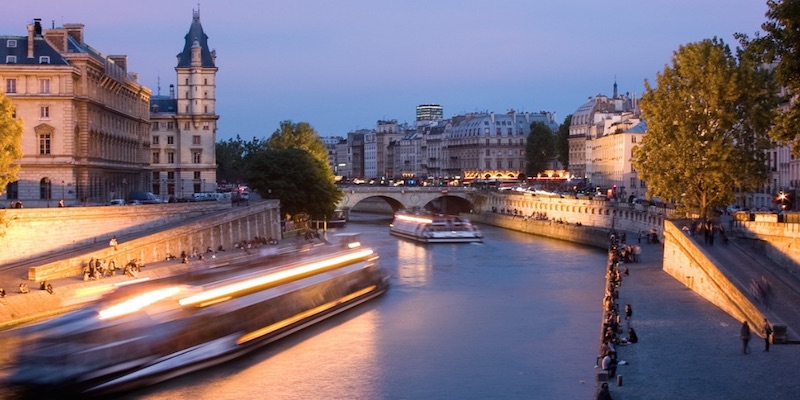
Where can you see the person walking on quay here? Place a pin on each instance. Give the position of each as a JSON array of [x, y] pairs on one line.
[[767, 331], [603, 393], [744, 334]]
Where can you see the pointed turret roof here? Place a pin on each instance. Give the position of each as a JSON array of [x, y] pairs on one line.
[[195, 34]]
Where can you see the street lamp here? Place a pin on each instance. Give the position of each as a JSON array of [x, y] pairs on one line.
[[782, 198]]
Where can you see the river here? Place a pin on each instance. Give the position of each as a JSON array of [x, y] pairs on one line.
[[516, 317]]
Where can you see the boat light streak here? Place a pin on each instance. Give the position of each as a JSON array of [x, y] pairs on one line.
[[291, 320], [136, 303], [353, 245], [414, 219], [233, 288]]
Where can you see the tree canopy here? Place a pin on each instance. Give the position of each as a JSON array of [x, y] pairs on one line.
[[781, 47], [298, 136], [708, 120], [231, 156], [539, 149], [10, 143], [302, 183], [562, 142]]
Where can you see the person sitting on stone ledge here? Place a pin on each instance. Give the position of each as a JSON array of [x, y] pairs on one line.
[[23, 288], [2, 293], [49, 288]]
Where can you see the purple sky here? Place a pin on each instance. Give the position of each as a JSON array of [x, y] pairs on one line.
[[343, 65]]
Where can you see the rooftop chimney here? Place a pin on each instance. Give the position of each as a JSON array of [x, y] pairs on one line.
[[121, 61], [30, 40], [75, 31], [37, 26], [171, 91]]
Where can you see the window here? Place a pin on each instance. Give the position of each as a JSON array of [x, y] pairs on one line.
[[156, 157], [171, 175], [44, 86], [44, 144], [205, 126], [11, 43], [170, 139], [155, 126], [12, 191], [196, 158], [186, 95], [205, 81], [196, 174], [44, 60], [488, 164], [170, 126], [186, 124], [155, 139], [633, 139], [11, 59], [155, 175], [205, 95], [205, 109], [196, 139], [44, 112], [171, 157], [488, 152], [44, 189], [187, 81], [11, 86], [186, 110]]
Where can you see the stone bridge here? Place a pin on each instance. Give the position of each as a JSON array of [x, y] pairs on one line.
[[441, 198]]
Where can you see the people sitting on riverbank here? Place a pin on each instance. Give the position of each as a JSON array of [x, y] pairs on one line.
[[23, 288], [2, 293]]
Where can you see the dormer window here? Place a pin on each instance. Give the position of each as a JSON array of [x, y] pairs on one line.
[[11, 43], [44, 60], [11, 59]]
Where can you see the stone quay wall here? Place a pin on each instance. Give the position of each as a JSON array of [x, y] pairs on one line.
[[38, 232], [779, 241], [219, 229], [587, 235], [689, 263], [628, 217]]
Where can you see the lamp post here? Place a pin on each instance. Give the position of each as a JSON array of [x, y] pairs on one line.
[[63, 184], [782, 198]]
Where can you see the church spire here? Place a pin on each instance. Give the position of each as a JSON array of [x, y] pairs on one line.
[[615, 87]]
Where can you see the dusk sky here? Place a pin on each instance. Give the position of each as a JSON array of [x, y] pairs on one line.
[[344, 65]]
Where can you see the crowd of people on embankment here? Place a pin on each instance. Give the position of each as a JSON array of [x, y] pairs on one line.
[[617, 327]]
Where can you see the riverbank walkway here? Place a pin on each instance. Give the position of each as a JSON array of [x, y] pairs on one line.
[[688, 348]]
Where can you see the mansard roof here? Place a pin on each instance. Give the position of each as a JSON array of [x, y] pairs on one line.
[[40, 48], [163, 105], [195, 34]]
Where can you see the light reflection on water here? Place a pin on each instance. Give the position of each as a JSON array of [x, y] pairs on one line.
[[515, 317]]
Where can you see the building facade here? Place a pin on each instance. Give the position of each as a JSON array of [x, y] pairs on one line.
[[184, 123], [85, 117]]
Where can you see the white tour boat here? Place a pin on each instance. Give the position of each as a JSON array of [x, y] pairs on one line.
[[435, 228]]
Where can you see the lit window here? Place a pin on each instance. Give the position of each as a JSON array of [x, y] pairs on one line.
[[11, 86], [44, 144], [44, 86]]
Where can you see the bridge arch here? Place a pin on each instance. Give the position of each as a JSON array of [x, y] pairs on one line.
[[447, 200]]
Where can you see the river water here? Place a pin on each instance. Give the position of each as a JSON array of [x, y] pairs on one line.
[[516, 317]]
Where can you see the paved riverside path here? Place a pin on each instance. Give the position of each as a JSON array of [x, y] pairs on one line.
[[688, 348]]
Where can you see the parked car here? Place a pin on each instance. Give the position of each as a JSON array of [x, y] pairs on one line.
[[137, 197], [117, 202]]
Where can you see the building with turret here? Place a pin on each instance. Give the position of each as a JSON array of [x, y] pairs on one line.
[[184, 123]]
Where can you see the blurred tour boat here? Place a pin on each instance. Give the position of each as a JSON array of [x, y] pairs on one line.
[[435, 228], [148, 332]]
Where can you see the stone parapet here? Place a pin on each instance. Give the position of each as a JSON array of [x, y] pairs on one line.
[[779, 241], [224, 228], [38, 232], [586, 235]]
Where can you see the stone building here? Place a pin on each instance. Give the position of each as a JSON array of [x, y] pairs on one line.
[[85, 117], [184, 123]]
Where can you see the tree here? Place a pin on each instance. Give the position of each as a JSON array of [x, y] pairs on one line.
[[781, 46], [302, 183], [540, 148], [10, 143], [231, 155], [298, 136], [562, 142], [708, 119]]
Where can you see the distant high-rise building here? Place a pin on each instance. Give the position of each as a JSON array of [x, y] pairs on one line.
[[184, 123], [428, 113]]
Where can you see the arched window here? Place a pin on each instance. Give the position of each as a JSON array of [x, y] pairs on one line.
[[45, 189]]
